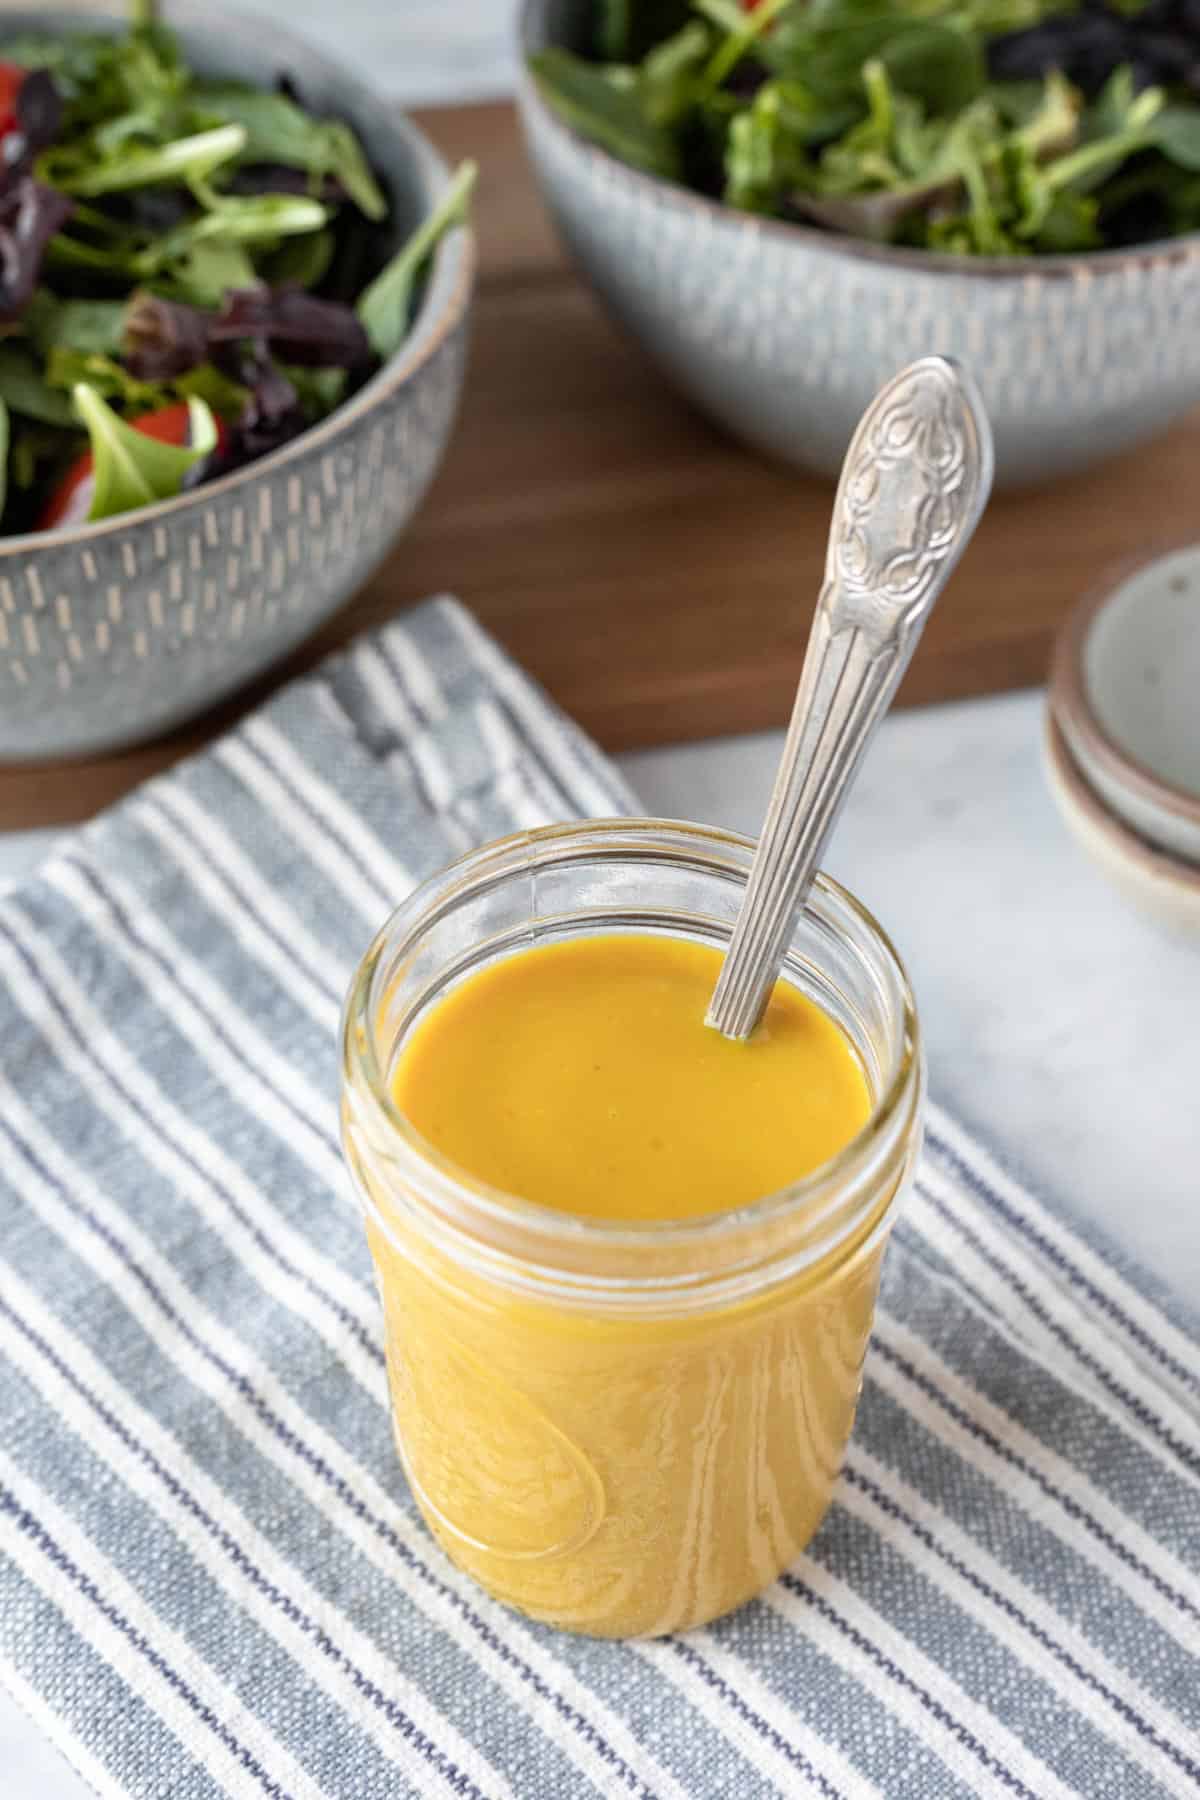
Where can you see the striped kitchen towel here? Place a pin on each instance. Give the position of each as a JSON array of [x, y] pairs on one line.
[[212, 1579]]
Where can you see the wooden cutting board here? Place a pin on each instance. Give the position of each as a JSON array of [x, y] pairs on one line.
[[657, 577]]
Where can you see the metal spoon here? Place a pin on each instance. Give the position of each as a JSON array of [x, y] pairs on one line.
[[913, 485]]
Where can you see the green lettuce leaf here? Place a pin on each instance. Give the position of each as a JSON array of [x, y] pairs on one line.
[[132, 469], [277, 130], [385, 305]]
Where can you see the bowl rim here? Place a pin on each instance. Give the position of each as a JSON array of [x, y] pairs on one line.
[[1076, 265], [1150, 860], [443, 306], [1072, 706]]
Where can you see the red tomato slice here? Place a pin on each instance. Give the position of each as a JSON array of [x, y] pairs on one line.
[[11, 77], [71, 500]]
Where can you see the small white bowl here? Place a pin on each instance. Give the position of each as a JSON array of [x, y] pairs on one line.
[[1161, 884], [1125, 693]]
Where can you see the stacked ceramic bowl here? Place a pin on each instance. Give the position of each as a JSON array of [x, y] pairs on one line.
[[1123, 732]]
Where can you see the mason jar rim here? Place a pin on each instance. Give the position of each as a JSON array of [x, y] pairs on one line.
[[456, 1194]]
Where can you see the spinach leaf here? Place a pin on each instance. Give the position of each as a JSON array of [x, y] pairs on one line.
[[385, 305], [301, 261], [35, 449], [606, 104], [613, 21], [24, 389], [320, 390], [132, 469], [939, 65], [227, 398], [1176, 132], [277, 130], [202, 271], [626, 30], [88, 325]]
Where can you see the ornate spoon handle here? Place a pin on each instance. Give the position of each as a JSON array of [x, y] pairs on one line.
[[914, 483]]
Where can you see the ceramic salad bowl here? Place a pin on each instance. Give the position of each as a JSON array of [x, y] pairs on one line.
[[113, 632], [783, 332]]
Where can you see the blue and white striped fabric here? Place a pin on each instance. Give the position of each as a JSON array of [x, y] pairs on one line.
[[212, 1580]]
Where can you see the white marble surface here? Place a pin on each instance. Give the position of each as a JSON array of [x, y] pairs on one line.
[[1058, 1023]]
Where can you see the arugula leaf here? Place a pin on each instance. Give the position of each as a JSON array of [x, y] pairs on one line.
[[768, 143], [277, 130], [742, 32], [385, 305], [1084, 168], [66, 368], [24, 389], [241, 219], [1052, 126], [85, 169], [667, 78], [606, 105], [132, 469]]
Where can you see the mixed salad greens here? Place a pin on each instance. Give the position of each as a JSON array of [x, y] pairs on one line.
[[974, 127], [192, 272]]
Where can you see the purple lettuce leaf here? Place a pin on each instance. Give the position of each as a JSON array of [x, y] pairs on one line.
[[273, 415], [312, 333], [30, 214], [164, 338]]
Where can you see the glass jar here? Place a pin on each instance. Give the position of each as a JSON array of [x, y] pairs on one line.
[[622, 1430]]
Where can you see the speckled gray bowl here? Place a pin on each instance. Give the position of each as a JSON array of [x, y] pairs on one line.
[[783, 332], [112, 633]]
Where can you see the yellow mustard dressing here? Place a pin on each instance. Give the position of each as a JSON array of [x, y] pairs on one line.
[[581, 1075], [610, 1469]]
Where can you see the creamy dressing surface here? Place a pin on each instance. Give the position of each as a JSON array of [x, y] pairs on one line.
[[581, 1075]]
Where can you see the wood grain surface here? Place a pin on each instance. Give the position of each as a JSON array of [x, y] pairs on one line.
[[655, 576]]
